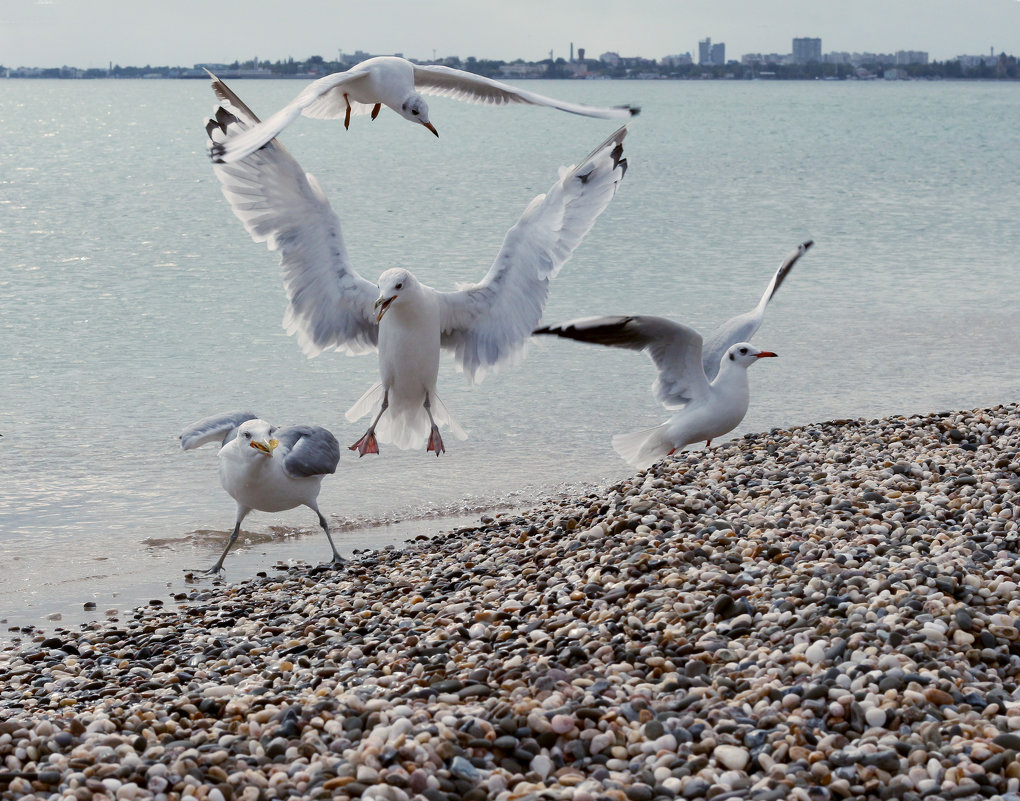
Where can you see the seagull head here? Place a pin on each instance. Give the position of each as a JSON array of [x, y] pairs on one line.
[[745, 354], [416, 109], [392, 284], [257, 435]]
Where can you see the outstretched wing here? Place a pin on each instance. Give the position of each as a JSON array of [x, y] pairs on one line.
[[316, 100], [282, 205], [434, 79], [675, 349], [220, 428], [742, 327], [490, 322], [307, 451]]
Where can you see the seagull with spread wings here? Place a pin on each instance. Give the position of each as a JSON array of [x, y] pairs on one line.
[[399, 84], [705, 382], [332, 306]]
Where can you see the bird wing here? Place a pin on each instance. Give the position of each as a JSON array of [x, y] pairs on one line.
[[220, 428], [307, 451], [316, 100], [742, 327], [488, 323], [675, 349], [434, 79], [282, 205]]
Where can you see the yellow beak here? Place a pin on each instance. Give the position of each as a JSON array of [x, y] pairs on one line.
[[266, 447]]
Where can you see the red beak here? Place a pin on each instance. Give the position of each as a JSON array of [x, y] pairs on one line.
[[766, 353]]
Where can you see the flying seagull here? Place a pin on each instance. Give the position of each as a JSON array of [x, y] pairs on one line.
[[409, 323], [705, 382], [397, 83], [267, 468]]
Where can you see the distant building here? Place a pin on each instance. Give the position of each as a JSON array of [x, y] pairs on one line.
[[679, 60], [520, 69], [765, 58], [911, 57], [837, 58], [705, 51], [713, 54], [806, 51]]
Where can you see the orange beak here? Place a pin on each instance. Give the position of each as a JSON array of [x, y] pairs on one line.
[[766, 353], [431, 127]]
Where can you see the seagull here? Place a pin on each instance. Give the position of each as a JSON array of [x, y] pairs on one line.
[[705, 382], [409, 323], [397, 83], [267, 468]]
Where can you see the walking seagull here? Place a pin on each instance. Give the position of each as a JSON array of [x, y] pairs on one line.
[[706, 383], [333, 306], [397, 83], [267, 468]]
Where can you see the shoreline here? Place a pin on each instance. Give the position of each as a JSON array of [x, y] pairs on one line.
[[827, 611]]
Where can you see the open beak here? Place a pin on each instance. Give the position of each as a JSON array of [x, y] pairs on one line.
[[382, 305], [766, 353], [266, 447], [431, 127]]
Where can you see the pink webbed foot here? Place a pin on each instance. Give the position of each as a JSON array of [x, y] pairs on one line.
[[436, 442], [367, 444]]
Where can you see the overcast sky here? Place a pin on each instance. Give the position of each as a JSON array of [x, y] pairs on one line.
[[92, 33]]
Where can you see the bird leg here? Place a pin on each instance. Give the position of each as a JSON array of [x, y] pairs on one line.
[[368, 443], [337, 558], [216, 568], [435, 440], [347, 116], [375, 110]]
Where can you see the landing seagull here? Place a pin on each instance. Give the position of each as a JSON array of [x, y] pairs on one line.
[[706, 383], [332, 306], [267, 468], [399, 84]]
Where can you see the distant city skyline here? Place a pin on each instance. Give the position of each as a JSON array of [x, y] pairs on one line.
[[95, 33]]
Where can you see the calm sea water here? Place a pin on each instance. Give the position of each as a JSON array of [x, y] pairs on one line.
[[133, 302]]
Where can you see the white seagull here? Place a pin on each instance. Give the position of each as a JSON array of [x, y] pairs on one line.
[[397, 83], [267, 468], [706, 383], [332, 306]]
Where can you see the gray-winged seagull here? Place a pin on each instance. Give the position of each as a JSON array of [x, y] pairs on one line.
[[267, 468]]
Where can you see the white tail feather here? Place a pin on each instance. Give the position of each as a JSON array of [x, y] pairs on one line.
[[643, 448], [404, 427]]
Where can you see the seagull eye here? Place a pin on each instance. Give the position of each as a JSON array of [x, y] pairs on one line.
[[400, 285], [415, 112], [247, 435], [743, 350]]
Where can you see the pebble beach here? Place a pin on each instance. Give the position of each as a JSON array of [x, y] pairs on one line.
[[823, 612]]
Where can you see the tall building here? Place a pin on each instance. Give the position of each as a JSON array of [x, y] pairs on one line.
[[705, 51], [709, 53], [807, 50]]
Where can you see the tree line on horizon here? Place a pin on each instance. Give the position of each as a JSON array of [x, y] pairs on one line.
[[1004, 68]]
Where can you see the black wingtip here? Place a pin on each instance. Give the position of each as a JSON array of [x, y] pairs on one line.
[[634, 110], [807, 245]]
